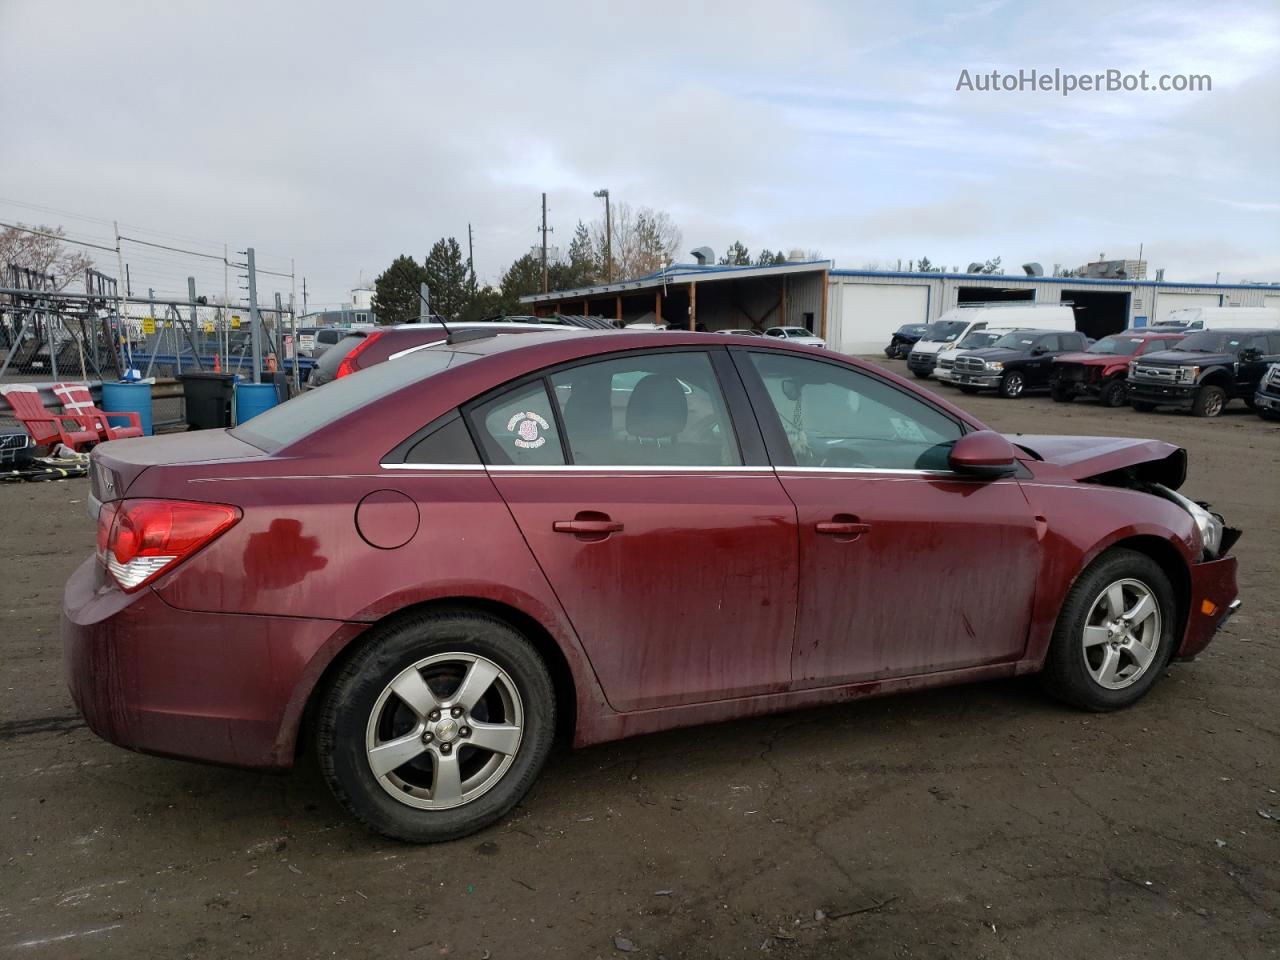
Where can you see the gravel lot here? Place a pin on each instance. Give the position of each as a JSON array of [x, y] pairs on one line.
[[979, 821]]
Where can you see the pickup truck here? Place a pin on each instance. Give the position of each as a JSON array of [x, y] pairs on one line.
[[1204, 372], [1101, 370], [1015, 363]]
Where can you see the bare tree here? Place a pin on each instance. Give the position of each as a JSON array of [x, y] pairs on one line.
[[644, 240], [42, 249]]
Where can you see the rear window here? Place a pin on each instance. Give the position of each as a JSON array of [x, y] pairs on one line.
[[331, 359], [308, 412]]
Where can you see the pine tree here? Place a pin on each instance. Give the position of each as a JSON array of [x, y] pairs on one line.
[[736, 256], [396, 292], [449, 279]]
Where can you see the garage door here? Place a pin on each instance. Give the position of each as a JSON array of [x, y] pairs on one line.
[[870, 312], [1166, 303], [1271, 302]]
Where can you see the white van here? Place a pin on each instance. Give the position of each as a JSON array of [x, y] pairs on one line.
[[1226, 318], [954, 325]]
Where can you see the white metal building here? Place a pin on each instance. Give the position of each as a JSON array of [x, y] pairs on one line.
[[856, 311]]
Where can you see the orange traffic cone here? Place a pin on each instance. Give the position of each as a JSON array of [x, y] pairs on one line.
[[217, 363]]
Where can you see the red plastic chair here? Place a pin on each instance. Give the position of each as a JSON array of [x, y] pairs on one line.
[[77, 400], [46, 427]]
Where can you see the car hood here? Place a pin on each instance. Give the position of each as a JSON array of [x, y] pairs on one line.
[[1082, 458], [1167, 358], [993, 353], [1092, 359]]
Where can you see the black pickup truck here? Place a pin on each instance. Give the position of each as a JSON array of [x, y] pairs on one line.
[[1204, 372], [1017, 362], [1267, 400]]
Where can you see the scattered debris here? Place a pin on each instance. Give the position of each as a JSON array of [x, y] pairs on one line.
[[663, 893], [622, 943], [841, 914]]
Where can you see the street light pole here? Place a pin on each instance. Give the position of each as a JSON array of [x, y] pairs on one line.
[[608, 236]]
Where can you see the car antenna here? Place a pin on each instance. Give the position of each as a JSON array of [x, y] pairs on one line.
[[448, 334]]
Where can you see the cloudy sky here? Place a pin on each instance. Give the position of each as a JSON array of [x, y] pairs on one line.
[[338, 135]]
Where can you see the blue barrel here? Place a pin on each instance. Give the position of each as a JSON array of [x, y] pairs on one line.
[[253, 398], [128, 398]]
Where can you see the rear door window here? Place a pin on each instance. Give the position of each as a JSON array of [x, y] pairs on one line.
[[518, 427]]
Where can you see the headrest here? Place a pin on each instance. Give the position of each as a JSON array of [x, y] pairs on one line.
[[658, 408]]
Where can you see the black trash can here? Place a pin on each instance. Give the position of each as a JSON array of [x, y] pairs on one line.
[[208, 399]]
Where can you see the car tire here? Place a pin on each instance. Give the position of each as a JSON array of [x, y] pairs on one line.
[[1269, 415], [1209, 401], [966, 388], [1142, 406], [1084, 647], [1114, 393], [431, 657], [1012, 384], [1061, 393], [921, 374]]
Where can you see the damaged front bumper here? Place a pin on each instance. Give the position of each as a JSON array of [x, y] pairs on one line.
[[1214, 600]]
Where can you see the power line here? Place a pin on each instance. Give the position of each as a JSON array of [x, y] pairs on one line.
[[54, 236], [190, 253]]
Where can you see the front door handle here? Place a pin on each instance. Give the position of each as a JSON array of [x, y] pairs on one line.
[[843, 527]]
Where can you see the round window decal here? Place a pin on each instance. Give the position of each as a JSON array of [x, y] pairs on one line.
[[525, 426]]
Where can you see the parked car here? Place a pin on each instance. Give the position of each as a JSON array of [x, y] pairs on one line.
[[419, 572], [975, 340], [740, 332], [1015, 363], [799, 335], [903, 339], [314, 341], [645, 326], [958, 322], [1102, 369], [1267, 399], [1204, 372], [361, 349]]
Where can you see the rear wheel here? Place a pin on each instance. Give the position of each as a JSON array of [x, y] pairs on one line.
[[1114, 634], [1114, 393], [1209, 401], [1061, 392], [1269, 415], [1012, 384], [437, 727]]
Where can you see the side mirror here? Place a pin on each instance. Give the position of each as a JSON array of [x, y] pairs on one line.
[[1249, 354], [984, 453], [1038, 351]]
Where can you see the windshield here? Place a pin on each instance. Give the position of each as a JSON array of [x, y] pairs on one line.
[[1122, 346], [979, 339], [944, 330], [912, 328], [1016, 341], [306, 413], [1207, 342]]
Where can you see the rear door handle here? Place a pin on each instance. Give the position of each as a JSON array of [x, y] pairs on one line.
[[843, 529], [586, 526]]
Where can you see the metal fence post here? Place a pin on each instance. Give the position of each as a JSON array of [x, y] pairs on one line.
[[255, 318]]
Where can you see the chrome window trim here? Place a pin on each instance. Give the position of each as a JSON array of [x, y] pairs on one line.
[[864, 470], [647, 468]]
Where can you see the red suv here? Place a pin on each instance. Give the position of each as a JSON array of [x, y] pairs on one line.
[[1101, 370], [421, 571]]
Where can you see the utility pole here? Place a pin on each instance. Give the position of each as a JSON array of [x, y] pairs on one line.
[[279, 333], [471, 262], [121, 328], [191, 296], [255, 318], [293, 332], [304, 296], [226, 310], [544, 243], [608, 236]]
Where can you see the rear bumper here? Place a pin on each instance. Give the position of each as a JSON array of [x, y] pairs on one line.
[[1214, 599], [1165, 395], [222, 688]]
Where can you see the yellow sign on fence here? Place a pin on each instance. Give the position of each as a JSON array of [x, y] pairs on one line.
[[208, 326], [148, 325], [235, 322]]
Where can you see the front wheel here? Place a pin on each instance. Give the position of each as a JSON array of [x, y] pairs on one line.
[[1114, 393], [965, 388], [921, 374], [437, 726], [1209, 401], [1142, 406], [1114, 634], [1012, 384]]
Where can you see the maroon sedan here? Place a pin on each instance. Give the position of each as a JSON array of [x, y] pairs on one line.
[[422, 571], [1102, 370]]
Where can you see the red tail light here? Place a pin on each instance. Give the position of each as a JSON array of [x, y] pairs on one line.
[[348, 364], [140, 539]]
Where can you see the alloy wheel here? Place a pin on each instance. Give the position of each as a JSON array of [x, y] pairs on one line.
[[1121, 635], [1013, 384], [444, 731]]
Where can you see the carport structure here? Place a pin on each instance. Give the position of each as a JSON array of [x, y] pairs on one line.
[[706, 297]]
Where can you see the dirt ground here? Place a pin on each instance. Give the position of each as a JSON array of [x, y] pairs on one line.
[[980, 821]]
